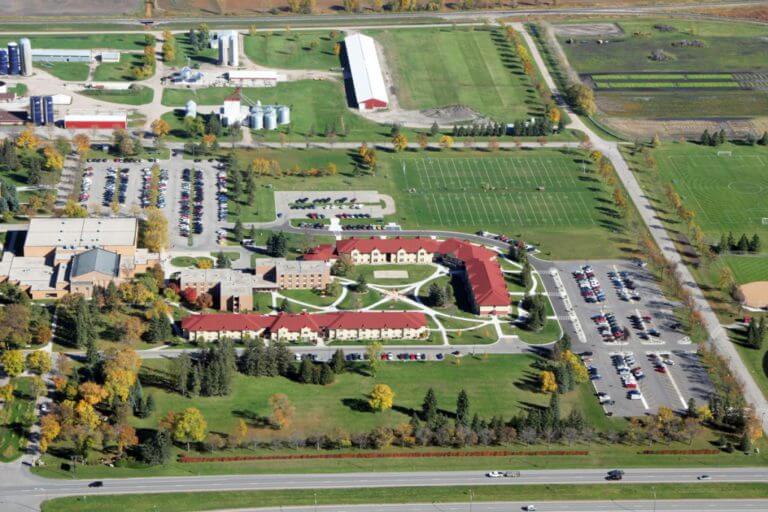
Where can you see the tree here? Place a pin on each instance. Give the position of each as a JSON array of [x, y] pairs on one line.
[[277, 245], [446, 142], [238, 231], [581, 97], [39, 362], [190, 426], [121, 369], [160, 328], [282, 410], [526, 276], [7, 393], [82, 144], [223, 261], [437, 296], [155, 230], [160, 128], [434, 129], [462, 409], [92, 392], [13, 362], [399, 142], [373, 351], [382, 398], [125, 437], [547, 382], [50, 428], [338, 362], [157, 448], [429, 411]]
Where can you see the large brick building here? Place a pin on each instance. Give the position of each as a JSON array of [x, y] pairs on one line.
[[484, 280], [309, 328]]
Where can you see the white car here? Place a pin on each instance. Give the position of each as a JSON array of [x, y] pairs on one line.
[[529, 508], [669, 362], [494, 474]]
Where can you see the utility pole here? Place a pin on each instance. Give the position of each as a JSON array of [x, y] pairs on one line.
[[471, 498]]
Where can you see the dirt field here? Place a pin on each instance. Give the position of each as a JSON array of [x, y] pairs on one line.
[[755, 294], [68, 7], [679, 129], [588, 29], [757, 13]]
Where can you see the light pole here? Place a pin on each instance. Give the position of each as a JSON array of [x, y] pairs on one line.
[[654, 498], [315, 495], [471, 497]]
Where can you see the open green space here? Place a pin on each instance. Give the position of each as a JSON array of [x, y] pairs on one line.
[[355, 300], [67, 71], [314, 297], [183, 502], [550, 333], [189, 261], [294, 50], [118, 71], [316, 106], [136, 95], [415, 273], [15, 419], [607, 84], [727, 46], [473, 67], [725, 192], [81, 41]]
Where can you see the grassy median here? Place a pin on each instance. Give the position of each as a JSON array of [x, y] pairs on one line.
[[183, 502]]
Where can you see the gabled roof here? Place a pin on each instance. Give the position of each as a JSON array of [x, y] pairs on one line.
[[95, 260], [367, 78], [235, 96], [387, 245], [226, 322]]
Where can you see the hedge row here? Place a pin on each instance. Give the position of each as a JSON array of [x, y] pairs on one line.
[[681, 452], [399, 455]]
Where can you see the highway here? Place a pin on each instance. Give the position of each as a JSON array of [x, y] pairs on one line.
[[563, 506]]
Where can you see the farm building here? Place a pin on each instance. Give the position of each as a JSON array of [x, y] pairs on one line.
[[42, 55], [96, 121], [365, 71], [253, 78]]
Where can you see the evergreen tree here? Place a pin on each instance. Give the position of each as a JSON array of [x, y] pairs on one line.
[[755, 243], [327, 376], [223, 261], [429, 411], [181, 369], [338, 362], [722, 247], [743, 245], [706, 138], [526, 277], [436, 297], [305, 371], [462, 409], [283, 359], [691, 411], [251, 357], [238, 230], [434, 129], [92, 356], [731, 241], [277, 245], [554, 409]]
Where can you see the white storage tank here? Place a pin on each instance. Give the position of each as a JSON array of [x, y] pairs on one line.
[[283, 114], [270, 118], [191, 109], [257, 120]]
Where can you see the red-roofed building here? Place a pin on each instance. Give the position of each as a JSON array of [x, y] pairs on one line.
[[305, 327], [485, 280]]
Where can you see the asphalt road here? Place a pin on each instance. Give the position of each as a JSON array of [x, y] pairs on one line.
[[563, 506]]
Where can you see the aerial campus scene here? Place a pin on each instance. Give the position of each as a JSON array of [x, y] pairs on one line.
[[383, 256]]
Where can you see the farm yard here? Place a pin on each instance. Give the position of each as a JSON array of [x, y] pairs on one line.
[[726, 192], [473, 68], [639, 67], [294, 50]]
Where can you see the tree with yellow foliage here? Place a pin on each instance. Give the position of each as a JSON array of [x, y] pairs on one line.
[[399, 142], [13, 362], [189, 426], [27, 140], [282, 410], [50, 428], [121, 369], [382, 398], [82, 144], [6, 393], [548, 383], [92, 392], [155, 230], [160, 128], [446, 142], [74, 210], [554, 115], [39, 362]]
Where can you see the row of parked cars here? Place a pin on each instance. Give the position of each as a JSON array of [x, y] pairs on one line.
[[191, 211], [643, 323], [629, 371], [625, 285], [85, 185], [588, 283], [116, 182], [609, 328], [221, 195], [146, 186]]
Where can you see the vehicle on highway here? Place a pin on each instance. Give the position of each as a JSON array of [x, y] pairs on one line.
[[97, 483], [529, 508], [615, 474], [494, 474], [511, 474], [704, 477]]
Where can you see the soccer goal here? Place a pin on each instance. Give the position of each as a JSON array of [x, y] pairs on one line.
[[724, 153], [765, 221]]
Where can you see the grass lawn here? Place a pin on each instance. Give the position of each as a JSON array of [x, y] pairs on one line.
[[415, 273], [315, 105], [294, 50], [82, 41], [473, 335], [548, 334], [725, 191], [262, 302], [178, 133], [315, 297], [183, 502], [360, 300], [118, 71], [15, 419], [137, 95], [67, 71], [188, 261], [545, 197], [470, 67]]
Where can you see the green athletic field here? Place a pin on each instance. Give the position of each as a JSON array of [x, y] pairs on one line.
[[726, 192], [495, 191], [444, 67]]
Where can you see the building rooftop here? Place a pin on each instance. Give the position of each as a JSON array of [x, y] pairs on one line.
[[367, 78], [95, 260], [33, 272], [61, 53], [81, 233], [283, 267]]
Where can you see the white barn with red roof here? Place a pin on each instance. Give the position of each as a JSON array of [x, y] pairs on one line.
[[365, 71]]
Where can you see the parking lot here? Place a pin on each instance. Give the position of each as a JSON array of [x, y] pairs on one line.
[[359, 204], [639, 359], [128, 187]]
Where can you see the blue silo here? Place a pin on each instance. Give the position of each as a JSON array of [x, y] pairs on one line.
[[14, 60], [36, 110], [3, 61], [48, 109]]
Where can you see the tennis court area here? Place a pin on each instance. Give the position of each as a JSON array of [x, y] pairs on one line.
[[551, 190], [726, 188]]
